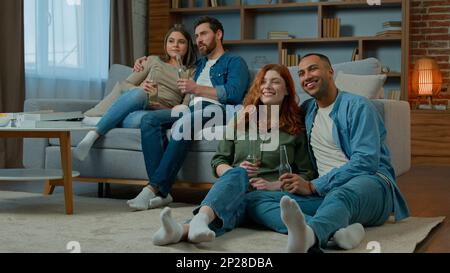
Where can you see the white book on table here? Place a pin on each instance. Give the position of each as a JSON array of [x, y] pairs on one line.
[[52, 116], [49, 124]]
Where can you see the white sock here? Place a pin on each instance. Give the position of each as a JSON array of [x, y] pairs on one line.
[[350, 236], [300, 236], [198, 229], [141, 201], [170, 231], [159, 201], [82, 149]]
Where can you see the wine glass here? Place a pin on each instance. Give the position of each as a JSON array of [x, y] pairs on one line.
[[153, 94], [253, 153]]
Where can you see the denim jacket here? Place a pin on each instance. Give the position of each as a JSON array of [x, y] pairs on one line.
[[229, 76], [359, 131]]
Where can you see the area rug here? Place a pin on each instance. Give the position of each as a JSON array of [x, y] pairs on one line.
[[36, 223]]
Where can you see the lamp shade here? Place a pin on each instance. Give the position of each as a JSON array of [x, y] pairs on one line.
[[426, 78]]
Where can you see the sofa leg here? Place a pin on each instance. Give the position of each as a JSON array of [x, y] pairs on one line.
[[107, 192], [100, 190]]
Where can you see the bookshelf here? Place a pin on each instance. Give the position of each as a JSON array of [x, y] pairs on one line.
[[248, 22]]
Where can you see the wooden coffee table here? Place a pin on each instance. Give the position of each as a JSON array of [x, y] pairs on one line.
[[53, 177]]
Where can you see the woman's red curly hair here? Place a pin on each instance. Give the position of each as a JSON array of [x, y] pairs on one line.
[[291, 117]]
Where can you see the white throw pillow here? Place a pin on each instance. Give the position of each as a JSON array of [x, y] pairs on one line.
[[369, 86]]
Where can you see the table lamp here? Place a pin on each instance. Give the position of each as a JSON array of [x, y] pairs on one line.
[[426, 81]]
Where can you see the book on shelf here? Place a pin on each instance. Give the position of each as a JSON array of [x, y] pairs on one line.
[[388, 24], [331, 27], [52, 116], [49, 124], [289, 59], [355, 54], [389, 33], [280, 35], [175, 4]]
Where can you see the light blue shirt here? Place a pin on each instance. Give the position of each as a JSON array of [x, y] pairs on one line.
[[229, 76], [359, 132]]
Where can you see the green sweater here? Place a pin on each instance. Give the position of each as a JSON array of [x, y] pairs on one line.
[[234, 152]]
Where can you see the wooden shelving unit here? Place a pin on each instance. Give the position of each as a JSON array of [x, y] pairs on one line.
[[247, 32], [430, 137]]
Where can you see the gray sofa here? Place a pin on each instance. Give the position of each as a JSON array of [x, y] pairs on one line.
[[117, 157]]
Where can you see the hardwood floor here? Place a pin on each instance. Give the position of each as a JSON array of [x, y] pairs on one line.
[[426, 189]]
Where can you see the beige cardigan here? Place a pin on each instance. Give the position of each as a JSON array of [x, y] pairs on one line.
[[166, 75]]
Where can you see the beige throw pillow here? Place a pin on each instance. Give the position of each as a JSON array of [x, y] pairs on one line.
[[100, 109], [369, 86]]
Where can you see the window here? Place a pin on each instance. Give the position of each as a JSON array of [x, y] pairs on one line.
[[66, 40]]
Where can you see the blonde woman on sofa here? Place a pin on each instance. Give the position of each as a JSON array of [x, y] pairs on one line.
[[142, 94], [224, 207]]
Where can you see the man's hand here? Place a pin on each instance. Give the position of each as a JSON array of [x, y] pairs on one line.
[[262, 184], [252, 169], [295, 184], [187, 86], [139, 64]]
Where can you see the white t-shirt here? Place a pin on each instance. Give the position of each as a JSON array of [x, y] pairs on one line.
[[205, 80], [328, 155]]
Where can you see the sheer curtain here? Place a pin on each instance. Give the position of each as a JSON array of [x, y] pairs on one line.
[[66, 48]]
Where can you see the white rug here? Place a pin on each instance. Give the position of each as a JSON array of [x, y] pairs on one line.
[[35, 223]]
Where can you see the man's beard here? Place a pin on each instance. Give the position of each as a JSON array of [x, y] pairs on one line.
[[209, 48]]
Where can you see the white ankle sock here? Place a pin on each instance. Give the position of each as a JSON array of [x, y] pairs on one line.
[[301, 237], [82, 149], [198, 229], [170, 231], [350, 236], [159, 201], [141, 201]]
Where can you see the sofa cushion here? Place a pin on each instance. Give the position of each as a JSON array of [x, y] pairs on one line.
[[118, 138], [369, 86], [130, 139], [100, 109], [117, 73]]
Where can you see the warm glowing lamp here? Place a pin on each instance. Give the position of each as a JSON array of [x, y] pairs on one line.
[[426, 80]]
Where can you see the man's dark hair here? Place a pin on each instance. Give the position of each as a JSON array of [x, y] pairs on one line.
[[214, 24], [321, 56]]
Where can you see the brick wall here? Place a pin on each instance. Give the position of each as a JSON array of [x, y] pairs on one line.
[[430, 36]]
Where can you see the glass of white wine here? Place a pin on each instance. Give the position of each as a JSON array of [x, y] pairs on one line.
[[253, 156]]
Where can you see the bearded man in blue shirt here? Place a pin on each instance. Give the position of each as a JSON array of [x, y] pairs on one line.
[[220, 79]]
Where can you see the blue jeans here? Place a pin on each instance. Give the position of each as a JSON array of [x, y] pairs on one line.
[[365, 199], [227, 198], [126, 112], [163, 163]]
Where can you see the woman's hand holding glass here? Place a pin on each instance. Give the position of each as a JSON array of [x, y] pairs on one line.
[[252, 169]]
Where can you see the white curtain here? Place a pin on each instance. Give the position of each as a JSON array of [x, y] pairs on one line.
[[66, 48]]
